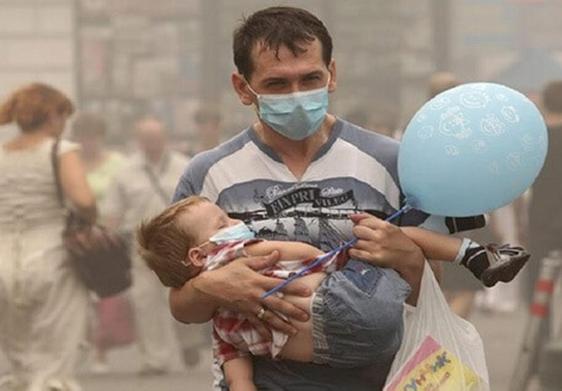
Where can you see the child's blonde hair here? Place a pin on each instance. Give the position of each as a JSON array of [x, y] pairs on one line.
[[164, 243]]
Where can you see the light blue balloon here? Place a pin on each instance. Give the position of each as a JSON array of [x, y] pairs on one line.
[[471, 149]]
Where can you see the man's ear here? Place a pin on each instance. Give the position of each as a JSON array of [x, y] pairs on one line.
[[333, 79], [241, 87], [196, 257]]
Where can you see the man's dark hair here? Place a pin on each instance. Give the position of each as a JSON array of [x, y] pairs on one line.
[[552, 96], [276, 27]]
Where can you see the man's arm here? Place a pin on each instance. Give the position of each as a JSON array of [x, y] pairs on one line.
[[385, 245], [239, 287]]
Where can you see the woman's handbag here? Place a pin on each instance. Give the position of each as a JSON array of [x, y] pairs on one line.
[[100, 257]]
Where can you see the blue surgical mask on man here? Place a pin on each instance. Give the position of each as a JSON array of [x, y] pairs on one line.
[[235, 232], [296, 115]]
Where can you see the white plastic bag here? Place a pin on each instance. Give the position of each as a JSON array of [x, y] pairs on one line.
[[440, 350]]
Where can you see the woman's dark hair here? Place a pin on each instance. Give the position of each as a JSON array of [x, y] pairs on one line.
[[552, 96], [276, 27]]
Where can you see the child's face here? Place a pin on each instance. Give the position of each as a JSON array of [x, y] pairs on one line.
[[206, 219]]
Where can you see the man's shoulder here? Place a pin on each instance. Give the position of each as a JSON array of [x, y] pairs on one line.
[[191, 182], [368, 141], [204, 160], [371, 146]]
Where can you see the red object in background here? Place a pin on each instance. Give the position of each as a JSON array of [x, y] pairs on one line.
[[114, 325]]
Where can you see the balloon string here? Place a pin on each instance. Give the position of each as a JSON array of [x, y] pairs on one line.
[[324, 257]]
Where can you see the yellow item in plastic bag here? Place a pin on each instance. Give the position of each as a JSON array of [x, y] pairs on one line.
[[433, 368]]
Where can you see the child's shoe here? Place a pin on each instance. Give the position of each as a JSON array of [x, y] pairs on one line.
[[494, 263]]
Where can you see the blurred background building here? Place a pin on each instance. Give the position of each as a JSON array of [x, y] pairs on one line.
[[170, 57]]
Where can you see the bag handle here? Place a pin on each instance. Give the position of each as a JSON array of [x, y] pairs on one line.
[[156, 184], [56, 173]]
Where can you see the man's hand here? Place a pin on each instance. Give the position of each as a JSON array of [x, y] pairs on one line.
[[237, 286], [384, 244]]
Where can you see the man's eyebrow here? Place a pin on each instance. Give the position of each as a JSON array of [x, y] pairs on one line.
[[274, 78], [313, 73]]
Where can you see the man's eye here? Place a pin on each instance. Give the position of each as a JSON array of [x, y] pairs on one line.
[[277, 83]]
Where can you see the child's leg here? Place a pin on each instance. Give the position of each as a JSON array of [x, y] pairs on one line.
[[490, 264]]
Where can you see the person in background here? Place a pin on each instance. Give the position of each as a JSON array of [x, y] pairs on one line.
[[101, 163], [545, 217], [208, 121], [380, 120], [142, 188], [43, 304], [90, 130]]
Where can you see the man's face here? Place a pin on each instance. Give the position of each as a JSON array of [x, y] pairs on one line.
[[286, 73]]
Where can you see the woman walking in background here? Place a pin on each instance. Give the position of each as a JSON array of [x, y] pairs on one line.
[[43, 304]]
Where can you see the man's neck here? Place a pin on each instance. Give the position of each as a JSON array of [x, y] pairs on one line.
[[297, 155]]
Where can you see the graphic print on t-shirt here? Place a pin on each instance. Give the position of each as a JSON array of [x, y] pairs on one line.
[[308, 212]]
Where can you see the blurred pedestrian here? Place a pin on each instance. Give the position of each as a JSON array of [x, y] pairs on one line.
[[141, 189], [545, 215], [109, 324], [43, 303], [101, 163], [208, 120]]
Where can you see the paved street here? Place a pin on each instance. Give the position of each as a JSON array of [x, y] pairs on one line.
[[501, 333]]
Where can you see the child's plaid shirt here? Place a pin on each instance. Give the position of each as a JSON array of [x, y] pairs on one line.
[[233, 335]]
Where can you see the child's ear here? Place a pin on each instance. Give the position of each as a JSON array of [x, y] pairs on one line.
[[196, 257]]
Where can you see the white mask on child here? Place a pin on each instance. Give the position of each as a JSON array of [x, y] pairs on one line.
[[239, 231]]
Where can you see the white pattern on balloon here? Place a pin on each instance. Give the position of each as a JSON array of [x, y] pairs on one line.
[[475, 99], [501, 97], [479, 146], [454, 123], [439, 103], [452, 150], [528, 143], [514, 160], [421, 117], [425, 132], [492, 125], [510, 114]]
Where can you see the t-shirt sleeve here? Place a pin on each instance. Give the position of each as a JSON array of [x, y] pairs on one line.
[[184, 187], [441, 224]]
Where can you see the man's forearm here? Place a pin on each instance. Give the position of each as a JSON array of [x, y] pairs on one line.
[[412, 272], [189, 305]]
